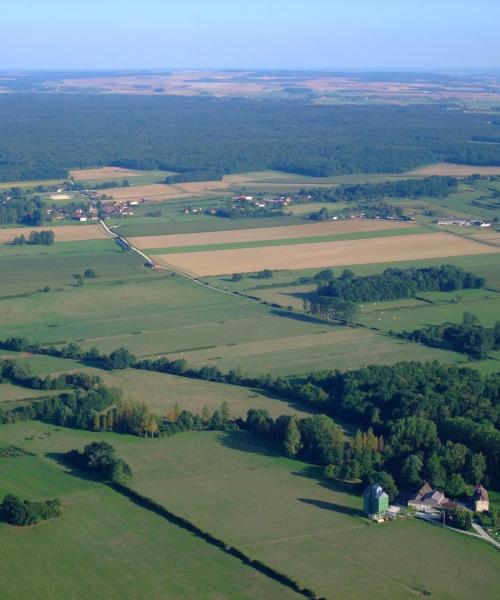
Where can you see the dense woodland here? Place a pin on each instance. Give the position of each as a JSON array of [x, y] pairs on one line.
[[42, 136], [394, 283]]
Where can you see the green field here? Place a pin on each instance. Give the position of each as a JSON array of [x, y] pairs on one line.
[[236, 487], [79, 247], [161, 392], [409, 315], [104, 546]]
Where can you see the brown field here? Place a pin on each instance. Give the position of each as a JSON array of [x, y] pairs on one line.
[[324, 254], [265, 233], [63, 233], [164, 191], [102, 174], [454, 170]]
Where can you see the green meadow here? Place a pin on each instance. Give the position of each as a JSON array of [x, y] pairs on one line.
[[239, 489], [103, 545]]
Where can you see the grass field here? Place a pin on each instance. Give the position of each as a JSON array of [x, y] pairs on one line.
[[104, 546], [397, 315], [274, 508], [152, 314], [161, 392]]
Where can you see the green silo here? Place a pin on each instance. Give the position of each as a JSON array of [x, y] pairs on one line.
[[375, 500]]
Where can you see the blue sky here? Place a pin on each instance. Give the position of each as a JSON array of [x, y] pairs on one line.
[[326, 34]]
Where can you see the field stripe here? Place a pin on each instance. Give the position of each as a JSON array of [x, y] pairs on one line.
[[356, 235]]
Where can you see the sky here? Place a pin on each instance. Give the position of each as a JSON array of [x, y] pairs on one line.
[[288, 34]]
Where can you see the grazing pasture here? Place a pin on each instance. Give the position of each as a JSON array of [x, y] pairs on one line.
[[323, 254], [161, 392], [103, 545], [277, 510]]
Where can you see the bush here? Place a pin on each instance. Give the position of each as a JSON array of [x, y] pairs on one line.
[[24, 512]]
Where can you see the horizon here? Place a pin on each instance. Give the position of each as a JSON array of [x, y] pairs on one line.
[[387, 35]]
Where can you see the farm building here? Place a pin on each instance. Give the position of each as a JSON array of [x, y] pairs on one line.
[[375, 501], [480, 499], [428, 499]]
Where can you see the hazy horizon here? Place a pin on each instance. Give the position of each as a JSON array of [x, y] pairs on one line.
[[366, 35]]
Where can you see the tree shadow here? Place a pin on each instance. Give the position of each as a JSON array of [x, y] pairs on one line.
[[244, 441], [61, 459], [298, 316], [339, 508], [287, 402]]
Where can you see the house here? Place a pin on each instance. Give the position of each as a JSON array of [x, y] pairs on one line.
[[480, 499], [375, 501], [428, 499]]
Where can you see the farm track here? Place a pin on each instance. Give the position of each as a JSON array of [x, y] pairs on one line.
[[156, 265]]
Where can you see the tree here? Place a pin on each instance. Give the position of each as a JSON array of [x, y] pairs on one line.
[[460, 518], [411, 468], [120, 358], [89, 274], [476, 468], [224, 411], [205, 414], [237, 277], [455, 485], [435, 471], [386, 482], [292, 442]]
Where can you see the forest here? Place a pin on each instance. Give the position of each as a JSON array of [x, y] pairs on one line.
[[42, 136]]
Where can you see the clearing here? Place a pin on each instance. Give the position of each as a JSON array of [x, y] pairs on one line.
[[454, 170]]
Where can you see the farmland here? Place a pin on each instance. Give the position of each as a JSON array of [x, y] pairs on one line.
[[266, 234], [222, 482], [323, 254], [218, 299], [95, 535], [64, 233]]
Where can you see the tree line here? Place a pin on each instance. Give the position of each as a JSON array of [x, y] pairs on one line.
[[435, 187], [468, 337], [428, 421], [35, 238]]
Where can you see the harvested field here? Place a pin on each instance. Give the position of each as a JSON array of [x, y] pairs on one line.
[[324, 254], [103, 174], [265, 233], [454, 170], [63, 233], [151, 191]]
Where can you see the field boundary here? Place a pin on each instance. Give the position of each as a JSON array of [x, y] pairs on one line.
[[262, 568]]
